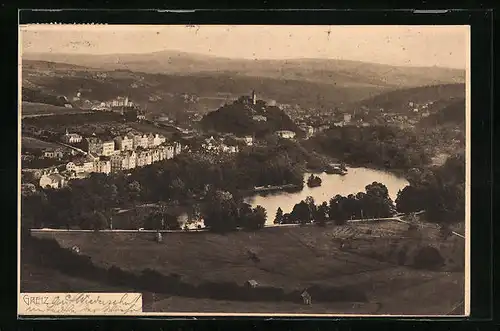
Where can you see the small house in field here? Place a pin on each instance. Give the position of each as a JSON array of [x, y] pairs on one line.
[[251, 283], [306, 297]]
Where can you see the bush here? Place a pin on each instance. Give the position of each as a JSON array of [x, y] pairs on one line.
[[428, 258], [402, 256]]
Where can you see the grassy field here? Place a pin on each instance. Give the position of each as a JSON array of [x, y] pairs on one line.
[[290, 258], [39, 279], [33, 108], [150, 128], [33, 143]]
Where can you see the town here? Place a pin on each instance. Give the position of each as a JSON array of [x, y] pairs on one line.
[[77, 155]]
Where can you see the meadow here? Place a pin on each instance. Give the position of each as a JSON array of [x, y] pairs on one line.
[[291, 258]]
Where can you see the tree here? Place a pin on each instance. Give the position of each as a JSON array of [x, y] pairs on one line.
[[178, 188], [311, 204], [278, 219], [100, 222], [321, 214], [162, 221], [94, 221], [244, 210], [134, 190], [256, 219], [220, 214], [377, 202], [335, 210], [301, 213], [409, 200]]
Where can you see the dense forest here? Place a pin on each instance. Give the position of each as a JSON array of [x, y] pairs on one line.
[[451, 114], [385, 147], [439, 191]]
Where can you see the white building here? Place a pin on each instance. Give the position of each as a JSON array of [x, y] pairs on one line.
[[108, 147], [141, 141], [259, 118], [52, 181], [229, 148], [71, 138], [124, 143], [285, 134], [102, 166], [248, 140], [129, 160], [158, 140], [347, 118], [117, 162]]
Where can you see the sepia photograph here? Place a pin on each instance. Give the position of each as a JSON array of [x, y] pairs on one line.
[[247, 170]]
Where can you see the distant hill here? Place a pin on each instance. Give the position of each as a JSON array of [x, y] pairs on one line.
[[399, 100], [244, 118], [335, 72], [449, 115], [47, 65], [160, 92]]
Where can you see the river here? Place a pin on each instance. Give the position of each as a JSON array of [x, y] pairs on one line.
[[353, 182]]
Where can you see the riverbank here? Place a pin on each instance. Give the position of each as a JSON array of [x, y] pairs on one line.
[[271, 198], [353, 182]]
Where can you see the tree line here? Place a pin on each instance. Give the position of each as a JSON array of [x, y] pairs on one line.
[[439, 191], [373, 203]]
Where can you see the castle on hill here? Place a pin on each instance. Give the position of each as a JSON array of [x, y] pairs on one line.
[[252, 99]]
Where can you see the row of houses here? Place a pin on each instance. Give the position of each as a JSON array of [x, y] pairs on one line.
[[122, 160], [129, 142], [117, 162]]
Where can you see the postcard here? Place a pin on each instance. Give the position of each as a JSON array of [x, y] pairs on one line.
[[250, 170]]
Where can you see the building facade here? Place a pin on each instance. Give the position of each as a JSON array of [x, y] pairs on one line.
[[117, 163], [71, 138], [158, 140], [140, 141], [102, 166], [285, 134], [129, 160], [108, 147], [144, 158], [93, 145], [54, 181], [124, 143]]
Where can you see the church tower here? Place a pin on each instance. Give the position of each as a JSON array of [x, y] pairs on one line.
[[254, 97]]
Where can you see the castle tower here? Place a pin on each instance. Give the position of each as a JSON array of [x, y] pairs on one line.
[[254, 97]]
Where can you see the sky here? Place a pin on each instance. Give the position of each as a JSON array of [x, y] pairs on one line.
[[443, 46]]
